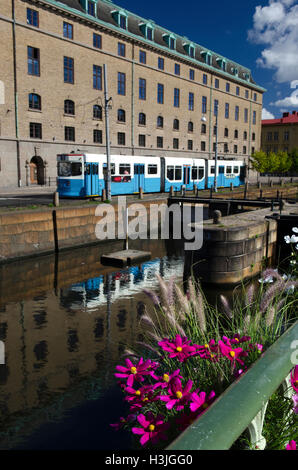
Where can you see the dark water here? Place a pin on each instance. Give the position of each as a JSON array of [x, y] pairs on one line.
[[65, 324]]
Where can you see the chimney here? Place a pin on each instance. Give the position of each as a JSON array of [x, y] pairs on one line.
[[285, 115]]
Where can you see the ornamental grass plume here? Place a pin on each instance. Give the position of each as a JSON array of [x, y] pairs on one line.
[[226, 306], [197, 301]]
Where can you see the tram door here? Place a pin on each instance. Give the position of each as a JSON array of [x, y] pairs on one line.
[[186, 177], [221, 176], [91, 179], [139, 177]]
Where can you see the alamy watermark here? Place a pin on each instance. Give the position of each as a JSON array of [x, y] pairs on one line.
[[120, 221]]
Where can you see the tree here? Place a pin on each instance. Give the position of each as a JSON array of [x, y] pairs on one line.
[[294, 160], [285, 162], [259, 161]]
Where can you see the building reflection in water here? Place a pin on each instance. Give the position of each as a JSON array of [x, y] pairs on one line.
[[65, 328]]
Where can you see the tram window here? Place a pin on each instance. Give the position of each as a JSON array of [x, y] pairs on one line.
[[201, 172], [178, 172], [87, 169], [194, 173], [212, 170], [124, 169], [170, 173], [236, 170], [152, 169], [95, 169], [64, 169], [76, 169], [229, 170], [105, 169]]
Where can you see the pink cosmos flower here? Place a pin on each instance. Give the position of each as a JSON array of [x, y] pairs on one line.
[[200, 402], [232, 354], [208, 350], [295, 401], [177, 396], [122, 422], [294, 378], [153, 429], [237, 339], [136, 371], [165, 380], [291, 445], [179, 347], [137, 398]]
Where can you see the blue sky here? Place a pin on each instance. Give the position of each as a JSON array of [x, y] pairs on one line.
[[261, 35]]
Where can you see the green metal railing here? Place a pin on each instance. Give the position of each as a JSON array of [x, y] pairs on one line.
[[233, 412]]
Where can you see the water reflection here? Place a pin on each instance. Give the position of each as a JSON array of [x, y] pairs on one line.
[[65, 327]]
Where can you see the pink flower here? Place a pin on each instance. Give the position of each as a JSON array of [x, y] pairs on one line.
[[291, 445], [122, 422], [232, 354], [177, 396], [208, 351], [152, 428], [165, 380], [237, 339], [294, 378], [137, 398], [180, 348], [136, 372], [200, 402], [295, 401]]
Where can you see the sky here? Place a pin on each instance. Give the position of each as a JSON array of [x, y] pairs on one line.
[[259, 34]]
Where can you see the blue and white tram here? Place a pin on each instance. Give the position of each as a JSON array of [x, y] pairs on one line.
[[84, 175]]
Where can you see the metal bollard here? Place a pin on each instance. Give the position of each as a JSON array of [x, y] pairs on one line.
[[216, 217], [56, 199], [231, 187], [104, 195], [141, 193], [172, 191]]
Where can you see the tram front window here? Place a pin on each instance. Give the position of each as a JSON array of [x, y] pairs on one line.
[[66, 169]]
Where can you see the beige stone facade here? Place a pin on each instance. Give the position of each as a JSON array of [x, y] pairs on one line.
[[27, 157]]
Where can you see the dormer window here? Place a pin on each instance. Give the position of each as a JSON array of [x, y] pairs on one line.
[[121, 18], [222, 63], [235, 71], [207, 57], [190, 49], [247, 77], [91, 8], [147, 30], [170, 40]]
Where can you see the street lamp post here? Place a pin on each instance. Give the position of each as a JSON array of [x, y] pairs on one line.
[[106, 104], [203, 119]]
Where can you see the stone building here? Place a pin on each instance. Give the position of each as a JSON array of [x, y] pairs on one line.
[[160, 84], [280, 134]]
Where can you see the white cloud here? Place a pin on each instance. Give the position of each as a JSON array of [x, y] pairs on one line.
[[290, 101], [276, 26], [266, 114]]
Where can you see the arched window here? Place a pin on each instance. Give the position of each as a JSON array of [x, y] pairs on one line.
[[97, 112], [159, 121], [121, 115], [253, 136], [176, 124], [142, 119], [203, 129], [34, 101], [236, 134], [245, 135], [69, 107], [190, 126], [226, 132]]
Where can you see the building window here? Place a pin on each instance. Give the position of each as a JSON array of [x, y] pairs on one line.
[[237, 90], [189, 145], [205, 79], [159, 122], [203, 146], [142, 119], [161, 63], [275, 136], [97, 77], [246, 94], [67, 30], [33, 60], [176, 124], [216, 83], [227, 87], [142, 88], [122, 21], [255, 97], [252, 150], [235, 134], [159, 142], [215, 111], [142, 57], [160, 93], [97, 112], [227, 110], [177, 69], [190, 126], [191, 74], [34, 101], [191, 101], [235, 148], [149, 34], [35, 130], [244, 150], [121, 138], [176, 97], [253, 136], [121, 49], [121, 83], [175, 143], [32, 17], [69, 133], [204, 104], [97, 136], [269, 136], [254, 117], [203, 128], [226, 132], [226, 147], [69, 107], [172, 43], [91, 9], [245, 114], [236, 113], [245, 135], [142, 140], [68, 70], [121, 115], [97, 41]]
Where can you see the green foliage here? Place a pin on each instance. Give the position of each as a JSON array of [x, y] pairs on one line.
[[280, 162]]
